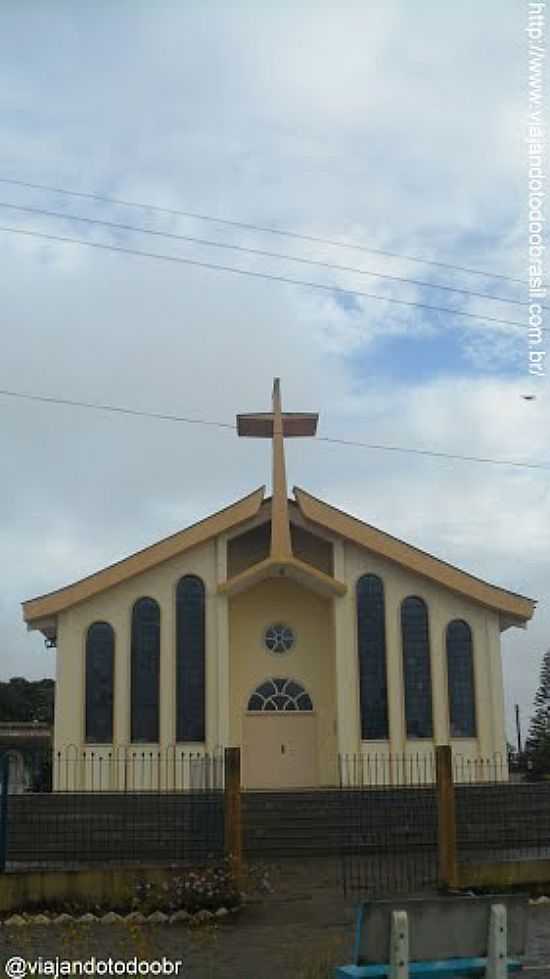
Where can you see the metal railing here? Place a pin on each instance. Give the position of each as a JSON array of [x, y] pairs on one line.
[[389, 824], [387, 819], [420, 821], [129, 768], [503, 822], [129, 808], [416, 768]]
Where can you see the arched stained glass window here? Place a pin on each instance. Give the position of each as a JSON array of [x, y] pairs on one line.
[[279, 694], [100, 662], [460, 674], [371, 646], [190, 659], [416, 668], [145, 670]]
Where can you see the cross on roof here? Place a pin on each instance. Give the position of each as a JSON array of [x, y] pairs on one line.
[[278, 425]]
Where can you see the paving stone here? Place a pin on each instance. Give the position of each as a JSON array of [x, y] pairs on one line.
[[62, 919], [135, 917], [15, 921], [179, 917], [201, 917], [111, 918], [157, 918]]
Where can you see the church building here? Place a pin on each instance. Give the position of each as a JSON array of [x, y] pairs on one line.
[[281, 625]]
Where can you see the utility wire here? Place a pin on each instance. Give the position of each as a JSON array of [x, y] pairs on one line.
[[257, 251], [285, 233], [97, 406], [264, 275], [437, 455], [216, 424]]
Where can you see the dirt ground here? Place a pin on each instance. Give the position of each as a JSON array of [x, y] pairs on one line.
[[300, 931]]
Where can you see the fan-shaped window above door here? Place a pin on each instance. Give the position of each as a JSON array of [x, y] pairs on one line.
[[278, 694]]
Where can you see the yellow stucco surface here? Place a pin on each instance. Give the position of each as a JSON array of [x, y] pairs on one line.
[[443, 606], [113, 887], [310, 661], [115, 606]]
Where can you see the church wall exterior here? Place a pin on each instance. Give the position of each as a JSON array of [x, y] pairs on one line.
[[443, 606], [324, 660], [115, 606], [310, 662]]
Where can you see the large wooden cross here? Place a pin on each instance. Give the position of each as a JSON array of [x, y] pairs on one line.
[[278, 425]]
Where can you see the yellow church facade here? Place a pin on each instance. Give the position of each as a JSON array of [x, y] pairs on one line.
[[281, 625]]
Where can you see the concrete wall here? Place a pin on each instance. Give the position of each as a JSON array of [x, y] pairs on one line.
[[104, 887]]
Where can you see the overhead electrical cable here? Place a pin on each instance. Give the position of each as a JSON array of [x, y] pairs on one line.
[[163, 416], [261, 275], [98, 406], [206, 242], [264, 229]]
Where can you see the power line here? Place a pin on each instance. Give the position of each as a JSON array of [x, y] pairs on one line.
[[285, 233], [257, 251], [159, 416], [437, 455], [264, 275], [97, 406]]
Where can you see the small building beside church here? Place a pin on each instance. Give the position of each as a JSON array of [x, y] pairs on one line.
[[282, 625], [28, 747]]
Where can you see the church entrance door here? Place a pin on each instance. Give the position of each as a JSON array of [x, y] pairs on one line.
[[280, 750]]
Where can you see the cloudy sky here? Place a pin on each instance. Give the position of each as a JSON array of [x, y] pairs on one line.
[[387, 126]]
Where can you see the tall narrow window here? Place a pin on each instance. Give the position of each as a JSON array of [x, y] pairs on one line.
[[460, 674], [190, 660], [145, 670], [371, 646], [416, 668], [100, 661]]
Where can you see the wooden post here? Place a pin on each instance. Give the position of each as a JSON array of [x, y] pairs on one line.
[[446, 817], [233, 823]]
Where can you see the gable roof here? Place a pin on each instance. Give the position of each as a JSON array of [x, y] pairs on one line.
[[518, 607], [48, 605]]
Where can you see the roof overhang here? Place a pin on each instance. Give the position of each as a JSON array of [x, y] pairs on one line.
[[40, 613], [47, 626], [514, 609]]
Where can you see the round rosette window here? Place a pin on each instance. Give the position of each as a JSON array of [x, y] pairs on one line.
[[279, 638]]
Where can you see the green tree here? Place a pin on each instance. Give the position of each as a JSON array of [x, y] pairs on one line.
[[27, 700], [537, 745]]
